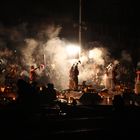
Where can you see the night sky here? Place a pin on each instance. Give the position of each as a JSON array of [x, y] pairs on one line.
[[105, 11], [113, 22]]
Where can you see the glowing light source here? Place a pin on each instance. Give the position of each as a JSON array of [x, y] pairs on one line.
[[73, 51], [96, 55]]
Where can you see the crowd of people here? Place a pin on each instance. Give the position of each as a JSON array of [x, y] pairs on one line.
[[27, 88]]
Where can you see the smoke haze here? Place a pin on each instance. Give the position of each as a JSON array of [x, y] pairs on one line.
[[42, 45]]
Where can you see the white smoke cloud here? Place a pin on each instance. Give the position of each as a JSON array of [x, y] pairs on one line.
[[27, 52], [97, 55], [56, 49], [51, 50], [93, 63], [53, 31]]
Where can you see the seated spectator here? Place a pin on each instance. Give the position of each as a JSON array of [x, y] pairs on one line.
[[118, 102], [28, 98], [50, 93]]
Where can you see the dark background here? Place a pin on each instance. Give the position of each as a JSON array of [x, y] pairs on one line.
[[115, 23], [97, 11]]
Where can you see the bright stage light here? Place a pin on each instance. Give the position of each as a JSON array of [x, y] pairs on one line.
[[73, 51], [95, 53]]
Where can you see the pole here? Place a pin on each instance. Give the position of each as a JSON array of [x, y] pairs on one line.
[[80, 20]]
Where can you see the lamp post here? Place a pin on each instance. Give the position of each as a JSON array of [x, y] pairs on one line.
[[80, 22]]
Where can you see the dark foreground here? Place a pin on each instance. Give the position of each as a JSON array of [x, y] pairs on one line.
[[95, 122]]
